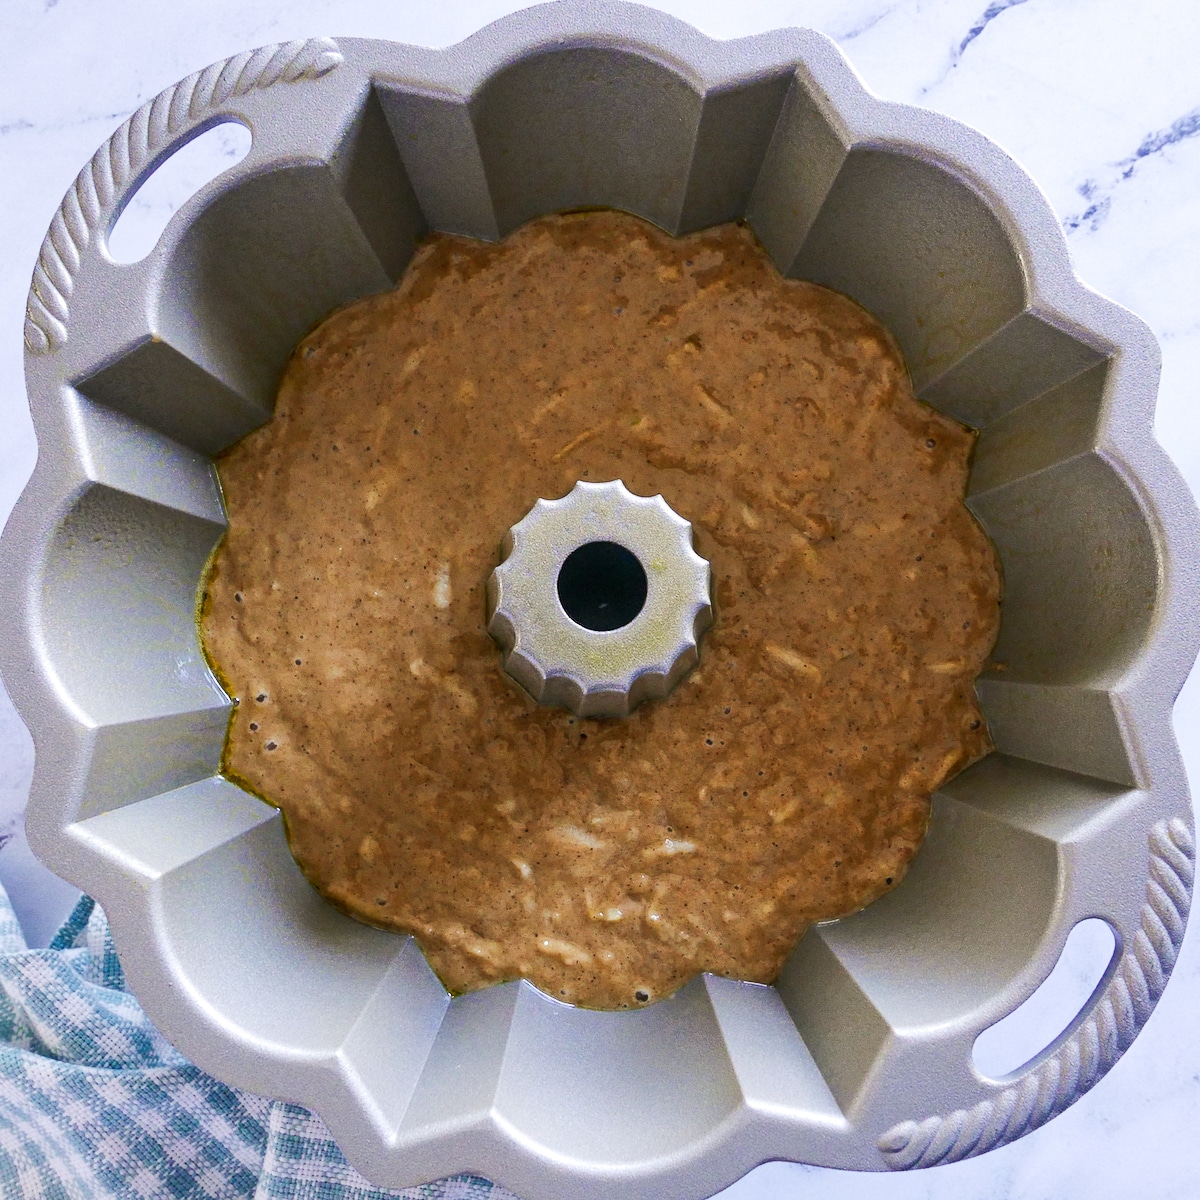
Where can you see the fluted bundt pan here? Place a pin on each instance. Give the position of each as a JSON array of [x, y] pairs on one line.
[[860, 1057]]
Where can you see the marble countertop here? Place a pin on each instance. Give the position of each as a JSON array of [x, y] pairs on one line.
[[1098, 99]]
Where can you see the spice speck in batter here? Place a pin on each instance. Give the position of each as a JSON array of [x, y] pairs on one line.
[[786, 780]]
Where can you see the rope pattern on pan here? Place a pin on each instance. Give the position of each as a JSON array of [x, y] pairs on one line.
[[131, 149], [1095, 1045]]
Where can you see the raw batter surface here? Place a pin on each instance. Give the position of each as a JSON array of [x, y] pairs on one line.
[[786, 780]]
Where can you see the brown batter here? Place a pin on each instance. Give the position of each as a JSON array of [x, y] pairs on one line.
[[786, 780]]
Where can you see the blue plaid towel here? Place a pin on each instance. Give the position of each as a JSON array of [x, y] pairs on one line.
[[95, 1104]]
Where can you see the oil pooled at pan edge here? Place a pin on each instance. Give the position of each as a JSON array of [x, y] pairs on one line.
[[785, 781]]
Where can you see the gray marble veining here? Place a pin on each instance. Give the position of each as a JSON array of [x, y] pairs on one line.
[[1098, 101]]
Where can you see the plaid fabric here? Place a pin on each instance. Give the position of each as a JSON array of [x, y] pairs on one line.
[[95, 1104]]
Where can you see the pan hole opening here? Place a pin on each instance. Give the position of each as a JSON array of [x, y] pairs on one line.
[[171, 185], [602, 586], [1038, 1023]]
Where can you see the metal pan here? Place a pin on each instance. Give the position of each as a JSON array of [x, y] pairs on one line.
[[860, 1057]]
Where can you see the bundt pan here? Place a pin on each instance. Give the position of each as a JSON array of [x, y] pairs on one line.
[[860, 1057]]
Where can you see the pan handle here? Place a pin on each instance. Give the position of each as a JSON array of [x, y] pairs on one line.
[[122, 163], [1055, 1081]]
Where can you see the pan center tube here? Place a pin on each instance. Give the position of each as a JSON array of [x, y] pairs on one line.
[[600, 600]]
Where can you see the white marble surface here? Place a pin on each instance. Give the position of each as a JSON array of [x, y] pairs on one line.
[[1099, 99]]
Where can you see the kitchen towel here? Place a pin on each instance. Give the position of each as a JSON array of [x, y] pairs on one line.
[[95, 1104]]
